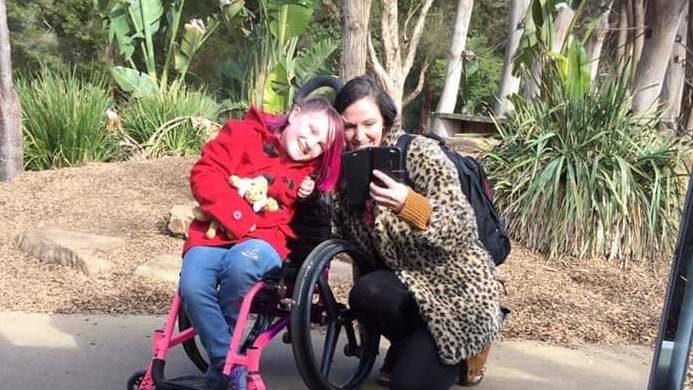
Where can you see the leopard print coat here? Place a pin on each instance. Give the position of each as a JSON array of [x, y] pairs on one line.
[[447, 270]]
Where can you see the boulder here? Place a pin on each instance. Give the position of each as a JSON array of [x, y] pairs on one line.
[[163, 267], [82, 251]]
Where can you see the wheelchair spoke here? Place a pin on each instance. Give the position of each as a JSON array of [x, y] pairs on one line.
[[330, 346], [331, 304]]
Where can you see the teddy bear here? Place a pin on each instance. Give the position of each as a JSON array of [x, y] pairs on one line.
[[253, 190]]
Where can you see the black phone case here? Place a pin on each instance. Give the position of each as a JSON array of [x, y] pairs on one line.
[[356, 168], [388, 160], [357, 171]]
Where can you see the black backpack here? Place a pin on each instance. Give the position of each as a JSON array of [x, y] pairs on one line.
[[477, 189]]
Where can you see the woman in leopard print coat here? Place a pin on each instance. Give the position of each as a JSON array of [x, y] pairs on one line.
[[436, 298]]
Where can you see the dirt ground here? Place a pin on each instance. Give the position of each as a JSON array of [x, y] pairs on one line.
[[564, 302]]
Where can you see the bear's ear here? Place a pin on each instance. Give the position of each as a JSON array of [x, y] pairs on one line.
[[269, 178]]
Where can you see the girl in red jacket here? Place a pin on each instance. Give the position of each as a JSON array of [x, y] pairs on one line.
[[286, 152]]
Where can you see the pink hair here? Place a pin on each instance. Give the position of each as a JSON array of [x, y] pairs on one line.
[[331, 163]]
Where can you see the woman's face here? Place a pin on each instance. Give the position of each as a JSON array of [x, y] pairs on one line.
[[363, 124], [305, 137]]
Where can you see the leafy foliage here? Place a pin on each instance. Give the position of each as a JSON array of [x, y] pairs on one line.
[[62, 35], [135, 24], [63, 119], [169, 123], [577, 174], [269, 65]]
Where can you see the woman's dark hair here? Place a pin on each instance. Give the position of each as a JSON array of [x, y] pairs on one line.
[[364, 86]]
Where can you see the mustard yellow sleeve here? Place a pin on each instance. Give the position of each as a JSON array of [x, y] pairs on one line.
[[416, 210]]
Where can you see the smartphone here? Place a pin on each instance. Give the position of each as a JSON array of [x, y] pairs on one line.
[[356, 175], [389, 161], [357, 171]]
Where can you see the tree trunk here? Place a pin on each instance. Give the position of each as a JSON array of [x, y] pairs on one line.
[[10, 111], [672, 89], [426, 110], [638, 30], [596, 41], [561, 27], [662, 24], [392, 70], [355, 17], [510, 84], [453, 71], [622, 38]]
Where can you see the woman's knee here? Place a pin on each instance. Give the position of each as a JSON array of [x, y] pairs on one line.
[[379, 289]]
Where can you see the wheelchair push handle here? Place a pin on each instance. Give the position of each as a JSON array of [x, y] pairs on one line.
[[314, 84]]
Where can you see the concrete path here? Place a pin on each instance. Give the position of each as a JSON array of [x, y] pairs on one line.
[[68, 352]]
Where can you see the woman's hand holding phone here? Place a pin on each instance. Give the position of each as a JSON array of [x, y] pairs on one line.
[[392, 194]]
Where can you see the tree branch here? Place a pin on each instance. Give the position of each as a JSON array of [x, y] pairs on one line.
[[332, 9], [378, 70], [416, 36], [419, 85]]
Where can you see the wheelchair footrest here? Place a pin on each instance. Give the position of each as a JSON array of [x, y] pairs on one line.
[[187, 382]]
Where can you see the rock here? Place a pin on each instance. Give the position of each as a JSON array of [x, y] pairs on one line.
[[163, 267], [180, 218], [81, 251]]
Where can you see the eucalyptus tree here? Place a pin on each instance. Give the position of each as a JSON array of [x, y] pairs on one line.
[[595, 42], [675, 78], [355, 19], [10, 111], [662, 18], [455, 58], [392, 64], [510, 83]]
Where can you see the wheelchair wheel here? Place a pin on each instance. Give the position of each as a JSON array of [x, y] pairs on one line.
[[315, 303], [194, 349], [193, 346], [135, 380]]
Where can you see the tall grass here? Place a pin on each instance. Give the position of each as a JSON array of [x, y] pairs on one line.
[[169, 123], [63, 119], [579, 175]]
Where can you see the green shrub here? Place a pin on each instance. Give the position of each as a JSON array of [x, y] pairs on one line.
[[577, 174], [64, 118], [169, 123]]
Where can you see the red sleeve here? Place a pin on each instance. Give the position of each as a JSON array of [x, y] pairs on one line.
[[209, 181]]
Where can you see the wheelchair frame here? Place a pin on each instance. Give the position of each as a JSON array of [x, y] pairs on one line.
[[305, 311]]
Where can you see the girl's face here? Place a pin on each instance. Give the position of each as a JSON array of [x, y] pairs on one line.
[[363, 124], [305, 136]]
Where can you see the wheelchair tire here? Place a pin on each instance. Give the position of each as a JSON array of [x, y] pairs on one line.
[[135, 380], [192, 346], [361, 344]]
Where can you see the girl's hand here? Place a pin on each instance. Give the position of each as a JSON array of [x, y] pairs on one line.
[[306, 188], [392, 195]]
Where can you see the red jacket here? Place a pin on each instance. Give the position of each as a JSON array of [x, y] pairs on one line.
[[247, 149]]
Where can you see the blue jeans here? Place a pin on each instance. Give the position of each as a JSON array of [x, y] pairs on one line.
[[213, 282]]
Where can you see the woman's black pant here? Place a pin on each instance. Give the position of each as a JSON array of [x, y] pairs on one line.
[[383, 303]]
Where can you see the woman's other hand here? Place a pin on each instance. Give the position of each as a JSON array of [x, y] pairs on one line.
[[306, 188], [392, 195]]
